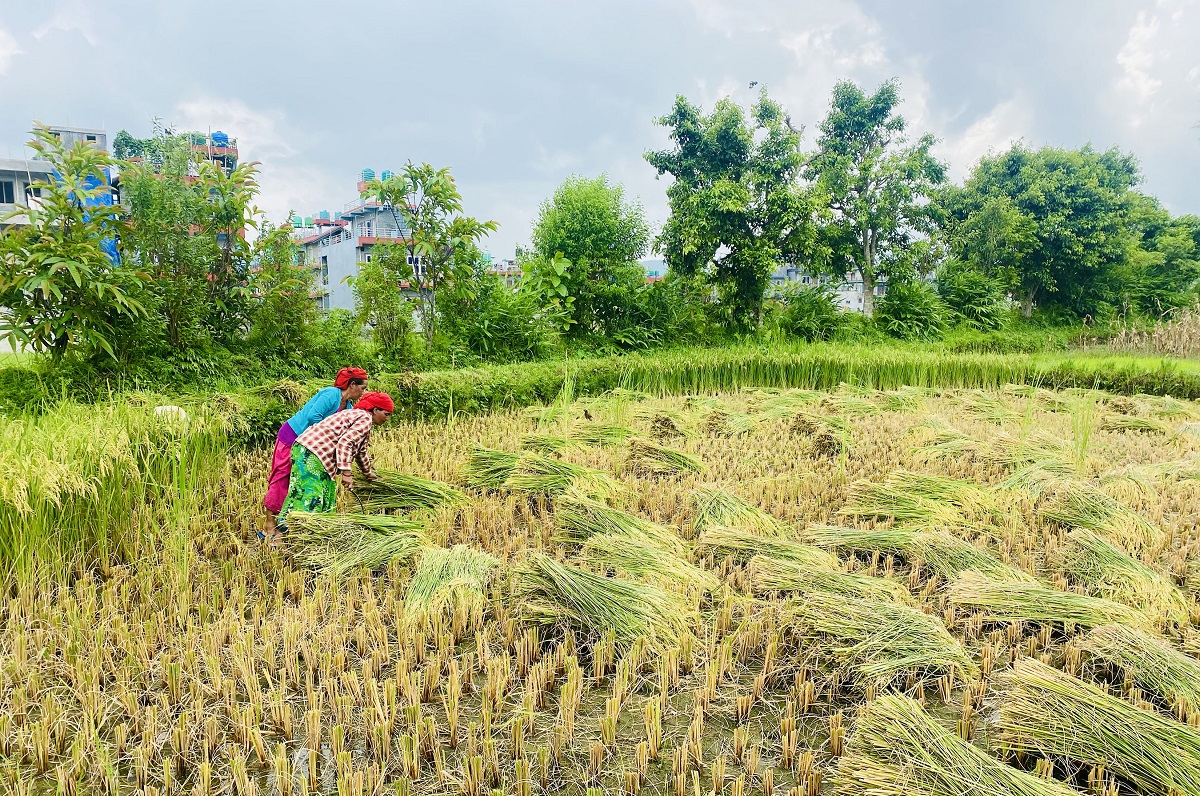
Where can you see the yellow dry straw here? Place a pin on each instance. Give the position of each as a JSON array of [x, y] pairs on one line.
[[1093, 562], [1140, 425], [1008, 601], [879, 641], [869, 499], [744, 545], [651, 459], [1042, 711], [579, 518], [340, 543], [768, 575], [943, 554], [897, 749], [457, 575], [1153, 664]]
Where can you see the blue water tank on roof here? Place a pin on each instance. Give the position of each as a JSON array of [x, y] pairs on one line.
[[387, 175], [324, 214], [368, 175], [220, 139], [297, 221]]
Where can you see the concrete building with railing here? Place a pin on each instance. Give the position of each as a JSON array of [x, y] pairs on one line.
[[848, 293]]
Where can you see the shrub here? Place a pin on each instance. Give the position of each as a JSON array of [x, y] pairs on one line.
[[973, 298], [337, 341], [809, 312], [911, 310]]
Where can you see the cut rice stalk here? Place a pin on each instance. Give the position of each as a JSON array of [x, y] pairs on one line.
[[1141, 425], [897, 749], [447, 579], [1042, 711], [651, 459], [1107, 572], [544, 443], [580, 518], [601, 436], [551, 593], [879, 641], [1154, 665], [489, 469], [340, 543], [537, 474], [1009, 601], [1081, 505], [720, 423], [714, 506], [641, 557], [744, 545], [869, 499], [394, 491], [769, 575], [945, 555]]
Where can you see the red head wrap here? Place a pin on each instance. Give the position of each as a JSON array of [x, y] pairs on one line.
[[342, 381], [375, 400]]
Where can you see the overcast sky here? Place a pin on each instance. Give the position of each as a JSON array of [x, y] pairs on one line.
[[515, 96]]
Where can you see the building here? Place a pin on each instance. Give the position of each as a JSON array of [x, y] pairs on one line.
[[335, 247], [18, 176], [508, 271], [847, 294], [656, 270], [216, 148]]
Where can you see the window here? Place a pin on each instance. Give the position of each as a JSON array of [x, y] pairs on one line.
[[7, 192], [91, 138]]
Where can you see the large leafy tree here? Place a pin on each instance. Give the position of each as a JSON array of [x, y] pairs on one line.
[[60, 290], [1164, 267], [876, 184], [737, 207], [1053, 224], [440, 239], [283, 314], [599, 237]]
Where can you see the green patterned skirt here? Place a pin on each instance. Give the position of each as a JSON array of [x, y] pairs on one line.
[[310, 487]]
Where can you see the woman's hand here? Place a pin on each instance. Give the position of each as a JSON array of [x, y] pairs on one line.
[[347, 479], [372, 476]]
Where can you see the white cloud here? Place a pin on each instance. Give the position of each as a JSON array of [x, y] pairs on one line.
[[8, 50], [1007, 123], [70, 16], [1136, 59]]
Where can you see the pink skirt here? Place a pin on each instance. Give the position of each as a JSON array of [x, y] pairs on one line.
[[281, 469]]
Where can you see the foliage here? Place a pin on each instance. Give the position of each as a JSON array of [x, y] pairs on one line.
[[545, 280], [440, 241], [1052, 225], [61, 291], [283, 314], [380, 305], [737, 209], [337, 341], [973, 298], [600, 237], [809, 312], [911, 310], [1164, 266], [495, 322], [876, 185]]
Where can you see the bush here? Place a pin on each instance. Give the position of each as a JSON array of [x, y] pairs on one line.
[[911, 310], [496, 323], [973, 298], [809, 312], [337, 341], [22, 390]]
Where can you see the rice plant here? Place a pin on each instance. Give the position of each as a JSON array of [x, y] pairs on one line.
[[1042, 711], [943, 554], [720, 423], [744, 546], [769, 575], [1017, 601], [713, 507], [579, 518], [897, 749], [642, 557], [879, 641], [547, 444], [651, 459], [489, 469], [394, 491], [868, 499], [1140, 425], [340, 543], [449, 577], [603, 436], [1081, 505], [1151, 663], [1106, 571], [551, 592]]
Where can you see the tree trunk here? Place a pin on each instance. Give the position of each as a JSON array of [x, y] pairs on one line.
[[867, 272], [1027, 303]]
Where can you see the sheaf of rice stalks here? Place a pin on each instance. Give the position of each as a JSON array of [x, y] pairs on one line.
[[601, 436], [744, 545], [489, 469], [1000, 447], [712, 506], [943, 554], [394, 491], [720, 423], [579, 518], [1009, 601], [341, 543], [988, 406], [1045, 712], [446, 578], [897, 749], [1077, 504], [1093, 562], [651, 459], [1154, 665], [870, 499], [880, 642], [1141, 425], [551, 593], [769, 575], [642, 557], [544, 443]]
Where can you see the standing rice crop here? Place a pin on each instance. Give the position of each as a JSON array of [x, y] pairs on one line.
[[651, 459], [1153, 664], [1106, 571], [744, 545], [551, 592], [713, 506], [879, 641], [340, 543], [768, 575], [897, 749], [945, 555], [1009, 601], [394, 491], [1043, 711]]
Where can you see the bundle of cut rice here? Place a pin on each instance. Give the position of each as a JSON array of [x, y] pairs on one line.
[[869, 499], [1081, 505], [579, 518], [394, 491], [897, 749], [648, 458], [1141, 425], [712, 506], [340, 543], [1153, 664], [943, 554], [744, 546], [642, 557], [448, 578], [1107, 572], [1042, 711], [768, 575], [1008, 601], [489, 469], [879, 641]]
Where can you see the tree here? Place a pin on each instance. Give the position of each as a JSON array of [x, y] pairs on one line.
[[60, 289], [283, 312], [1053, 224], [380, 304], [737, 208], [600, 237], [876, 185], [426, 202], [1164, 266]]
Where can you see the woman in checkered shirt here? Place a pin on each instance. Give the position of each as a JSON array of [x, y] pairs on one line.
[[322, 455]]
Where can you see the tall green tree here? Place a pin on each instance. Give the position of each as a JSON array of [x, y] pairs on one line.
[[1054, 224], [601, 236], [738, 209], [60, 291], [380, 304], [1164, 266], [427, 203], [283, 314], [876, 184]]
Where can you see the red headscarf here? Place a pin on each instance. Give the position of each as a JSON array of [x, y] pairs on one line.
[[342, 381], [375, 400]]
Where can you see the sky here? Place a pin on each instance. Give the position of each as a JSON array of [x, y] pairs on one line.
[[516, 96]]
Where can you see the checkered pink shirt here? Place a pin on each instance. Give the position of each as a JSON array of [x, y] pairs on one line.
[[340, 439]]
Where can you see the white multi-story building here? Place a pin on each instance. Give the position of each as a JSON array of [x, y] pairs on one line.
[[848, 294]]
